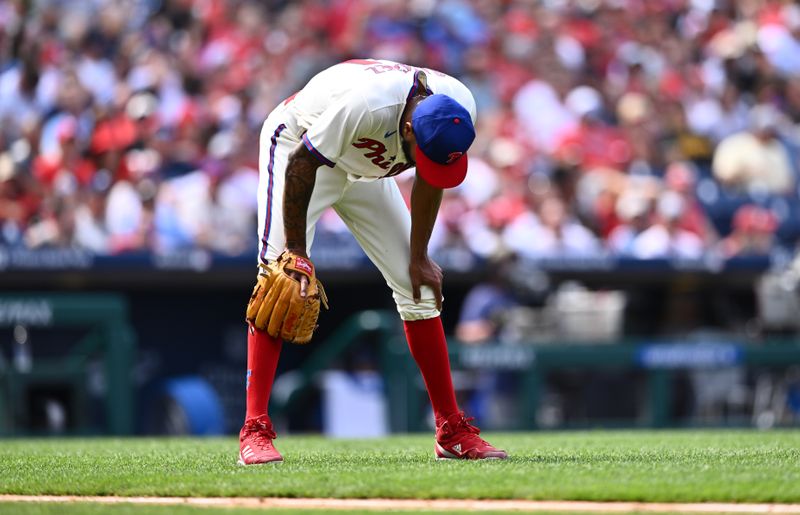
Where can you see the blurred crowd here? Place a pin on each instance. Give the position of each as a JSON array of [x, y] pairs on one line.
[[641, 128]]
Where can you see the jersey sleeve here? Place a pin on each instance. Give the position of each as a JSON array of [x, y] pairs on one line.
[[330, 134]]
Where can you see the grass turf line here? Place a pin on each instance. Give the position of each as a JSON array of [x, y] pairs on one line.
[[660, 466], [130, 509]]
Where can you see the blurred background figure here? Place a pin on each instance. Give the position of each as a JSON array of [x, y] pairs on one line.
[[551, 232], [755, 159], [634, 212], [484, 308], [666, 238], [753, 233]]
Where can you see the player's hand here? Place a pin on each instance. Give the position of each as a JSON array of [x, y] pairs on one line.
[[303, 282], [297, 276], [424, 271]]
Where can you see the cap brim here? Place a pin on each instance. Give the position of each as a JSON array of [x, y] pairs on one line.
[[439, 175]]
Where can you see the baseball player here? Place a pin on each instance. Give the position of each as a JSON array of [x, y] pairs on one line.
[[334, 144]]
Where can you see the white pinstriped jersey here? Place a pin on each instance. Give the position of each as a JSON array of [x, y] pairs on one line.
[[351, 114]]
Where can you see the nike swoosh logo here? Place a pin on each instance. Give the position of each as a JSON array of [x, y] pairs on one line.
[[389, 133]]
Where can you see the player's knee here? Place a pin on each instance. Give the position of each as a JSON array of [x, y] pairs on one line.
[[410, 310]]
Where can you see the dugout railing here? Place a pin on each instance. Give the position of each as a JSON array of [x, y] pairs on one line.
[[660, 362], [81, 380]]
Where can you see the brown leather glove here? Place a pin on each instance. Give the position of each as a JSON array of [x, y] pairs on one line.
[[276, 305]]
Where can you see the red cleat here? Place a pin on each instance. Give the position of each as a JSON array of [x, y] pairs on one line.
[[255, 442], [457, 439]]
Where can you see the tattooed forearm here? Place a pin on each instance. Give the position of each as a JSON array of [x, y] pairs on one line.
[[301, 173]]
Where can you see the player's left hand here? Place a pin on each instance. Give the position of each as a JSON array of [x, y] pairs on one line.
[[425, 271], [297, 276]]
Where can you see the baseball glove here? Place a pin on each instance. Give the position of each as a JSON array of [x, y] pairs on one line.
[[276, 305]]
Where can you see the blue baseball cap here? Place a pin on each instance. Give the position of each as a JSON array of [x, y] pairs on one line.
[[444, 133]]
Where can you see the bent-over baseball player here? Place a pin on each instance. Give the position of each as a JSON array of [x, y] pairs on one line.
[[330, 145]]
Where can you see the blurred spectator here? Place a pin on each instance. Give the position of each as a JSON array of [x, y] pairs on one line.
[[755, 160], [540, 107], [733, 117], [681, 178], [753, 233], [90, 229], [665, 238], [481, 313], [635, 212], [550, 233], [591, 143], [678, 139], [129, 217]]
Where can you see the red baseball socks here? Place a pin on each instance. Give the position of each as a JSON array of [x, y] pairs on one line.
[[263, 352], [429, 348]]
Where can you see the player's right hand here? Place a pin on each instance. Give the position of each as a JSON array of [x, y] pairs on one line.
[[425, 271]]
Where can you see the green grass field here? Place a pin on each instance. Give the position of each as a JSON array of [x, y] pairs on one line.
[[668, 466]]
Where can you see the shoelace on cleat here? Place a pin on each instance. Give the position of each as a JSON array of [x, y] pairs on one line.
[[463, 426], [264, 433]]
